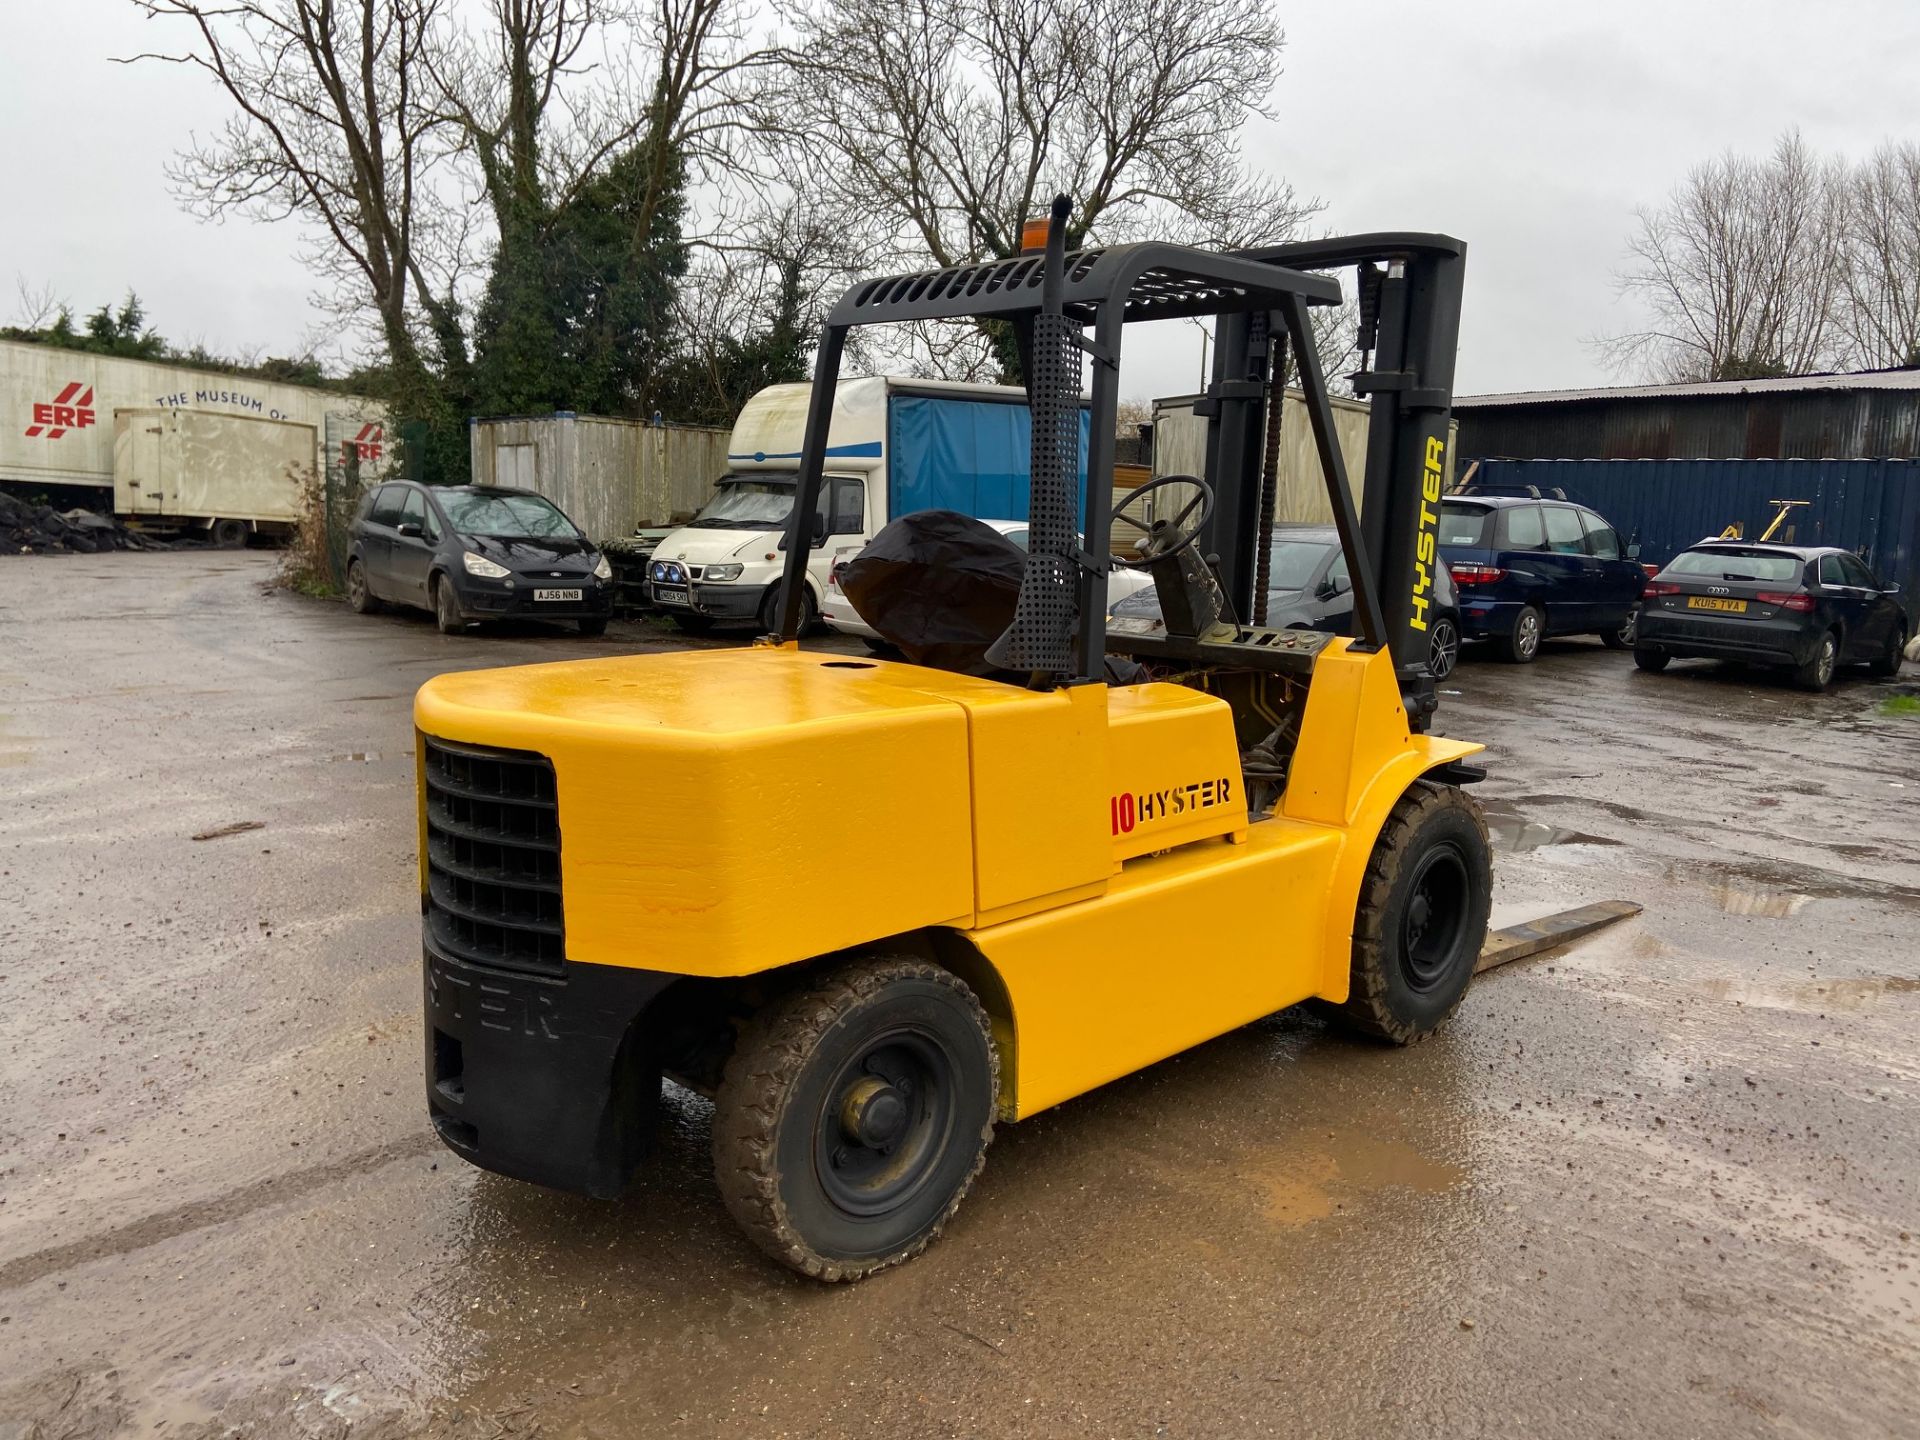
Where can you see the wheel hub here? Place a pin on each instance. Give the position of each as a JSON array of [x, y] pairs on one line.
[[1419, 913], [1432, 927], [874, 1113]]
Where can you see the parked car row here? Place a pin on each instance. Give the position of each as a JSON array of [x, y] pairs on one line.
[[1518, 569]]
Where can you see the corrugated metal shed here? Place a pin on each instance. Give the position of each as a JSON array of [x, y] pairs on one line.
[[1868, 506], [1874, 415], [611, 476]]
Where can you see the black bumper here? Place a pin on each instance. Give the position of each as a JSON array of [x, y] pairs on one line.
[[716, 602], [542, 1078], [1759, 642], [491, 600]]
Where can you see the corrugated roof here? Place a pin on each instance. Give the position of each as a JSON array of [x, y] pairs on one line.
[[1861, 380]]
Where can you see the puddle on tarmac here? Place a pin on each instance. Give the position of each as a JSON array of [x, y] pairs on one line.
[[1739, 896], [1297, 1188], [1515, 833], [1814, 995]]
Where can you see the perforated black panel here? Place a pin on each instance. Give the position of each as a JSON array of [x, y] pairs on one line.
[[1040, 639]]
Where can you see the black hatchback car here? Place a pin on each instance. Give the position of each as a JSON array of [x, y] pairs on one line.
[[1308, 589], [1801, 608], [475, 552]]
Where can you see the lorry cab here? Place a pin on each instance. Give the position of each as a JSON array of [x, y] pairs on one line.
[[895, 446]]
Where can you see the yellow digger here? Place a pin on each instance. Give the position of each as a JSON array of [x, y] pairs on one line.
[[1108, 842]]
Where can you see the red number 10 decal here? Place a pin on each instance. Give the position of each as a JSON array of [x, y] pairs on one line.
[[1122, 813]]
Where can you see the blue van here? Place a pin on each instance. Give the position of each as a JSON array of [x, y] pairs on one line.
[[1528, 567]]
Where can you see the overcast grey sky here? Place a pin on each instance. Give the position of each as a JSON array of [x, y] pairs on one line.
[[1530, 130]]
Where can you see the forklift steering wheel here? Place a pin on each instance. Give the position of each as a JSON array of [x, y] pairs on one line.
[[1163, 538]]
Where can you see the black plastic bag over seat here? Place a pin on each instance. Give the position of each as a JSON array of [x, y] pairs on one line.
[[938, 586]]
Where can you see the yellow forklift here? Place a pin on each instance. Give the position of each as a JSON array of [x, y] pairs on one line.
[[1109, 844]]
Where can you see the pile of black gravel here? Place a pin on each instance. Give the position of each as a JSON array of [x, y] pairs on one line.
[[29, 529]]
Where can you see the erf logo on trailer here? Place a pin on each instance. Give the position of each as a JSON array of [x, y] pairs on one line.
[[364, 446], [1425, 547], [62, 413]]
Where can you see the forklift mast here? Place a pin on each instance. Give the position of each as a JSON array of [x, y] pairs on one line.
[[1410, 294], [1410, 290]]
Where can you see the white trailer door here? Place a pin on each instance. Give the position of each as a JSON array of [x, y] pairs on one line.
[[137, 450]]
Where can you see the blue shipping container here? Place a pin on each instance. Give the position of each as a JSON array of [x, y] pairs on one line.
[[1871, 507]]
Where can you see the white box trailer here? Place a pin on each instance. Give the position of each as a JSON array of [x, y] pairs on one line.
[[58, 428], [245, 474]]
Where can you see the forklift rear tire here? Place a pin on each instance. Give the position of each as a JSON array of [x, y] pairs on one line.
[[854, 1114], [1422, 917], [1650, 660]]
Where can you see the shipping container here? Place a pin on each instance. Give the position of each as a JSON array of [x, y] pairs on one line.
[[1871, 507], [613, 477], [59, 428]]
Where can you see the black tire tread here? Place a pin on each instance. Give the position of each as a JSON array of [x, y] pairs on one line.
[[439, 587], [1807, 676], [774, 1046], [1366, 1008], [368, 605], [1887, 666], [1505, 644]]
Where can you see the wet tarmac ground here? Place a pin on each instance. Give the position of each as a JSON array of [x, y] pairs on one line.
[[1664, 1183]]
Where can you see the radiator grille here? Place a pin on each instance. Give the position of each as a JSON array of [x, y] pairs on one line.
[[493, 858]]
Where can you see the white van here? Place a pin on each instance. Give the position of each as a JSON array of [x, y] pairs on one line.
[[895, 446]]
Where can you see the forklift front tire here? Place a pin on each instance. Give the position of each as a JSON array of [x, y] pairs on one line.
[[1422, 916], [854, 1114]]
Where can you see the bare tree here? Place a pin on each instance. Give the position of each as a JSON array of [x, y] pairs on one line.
[[547, 92], [1882, 277], [1740, 272], [39, 304], [334, 126], [943, 127]]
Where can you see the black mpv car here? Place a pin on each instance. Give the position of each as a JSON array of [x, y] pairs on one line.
[[1808, 609], [475, 552]]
